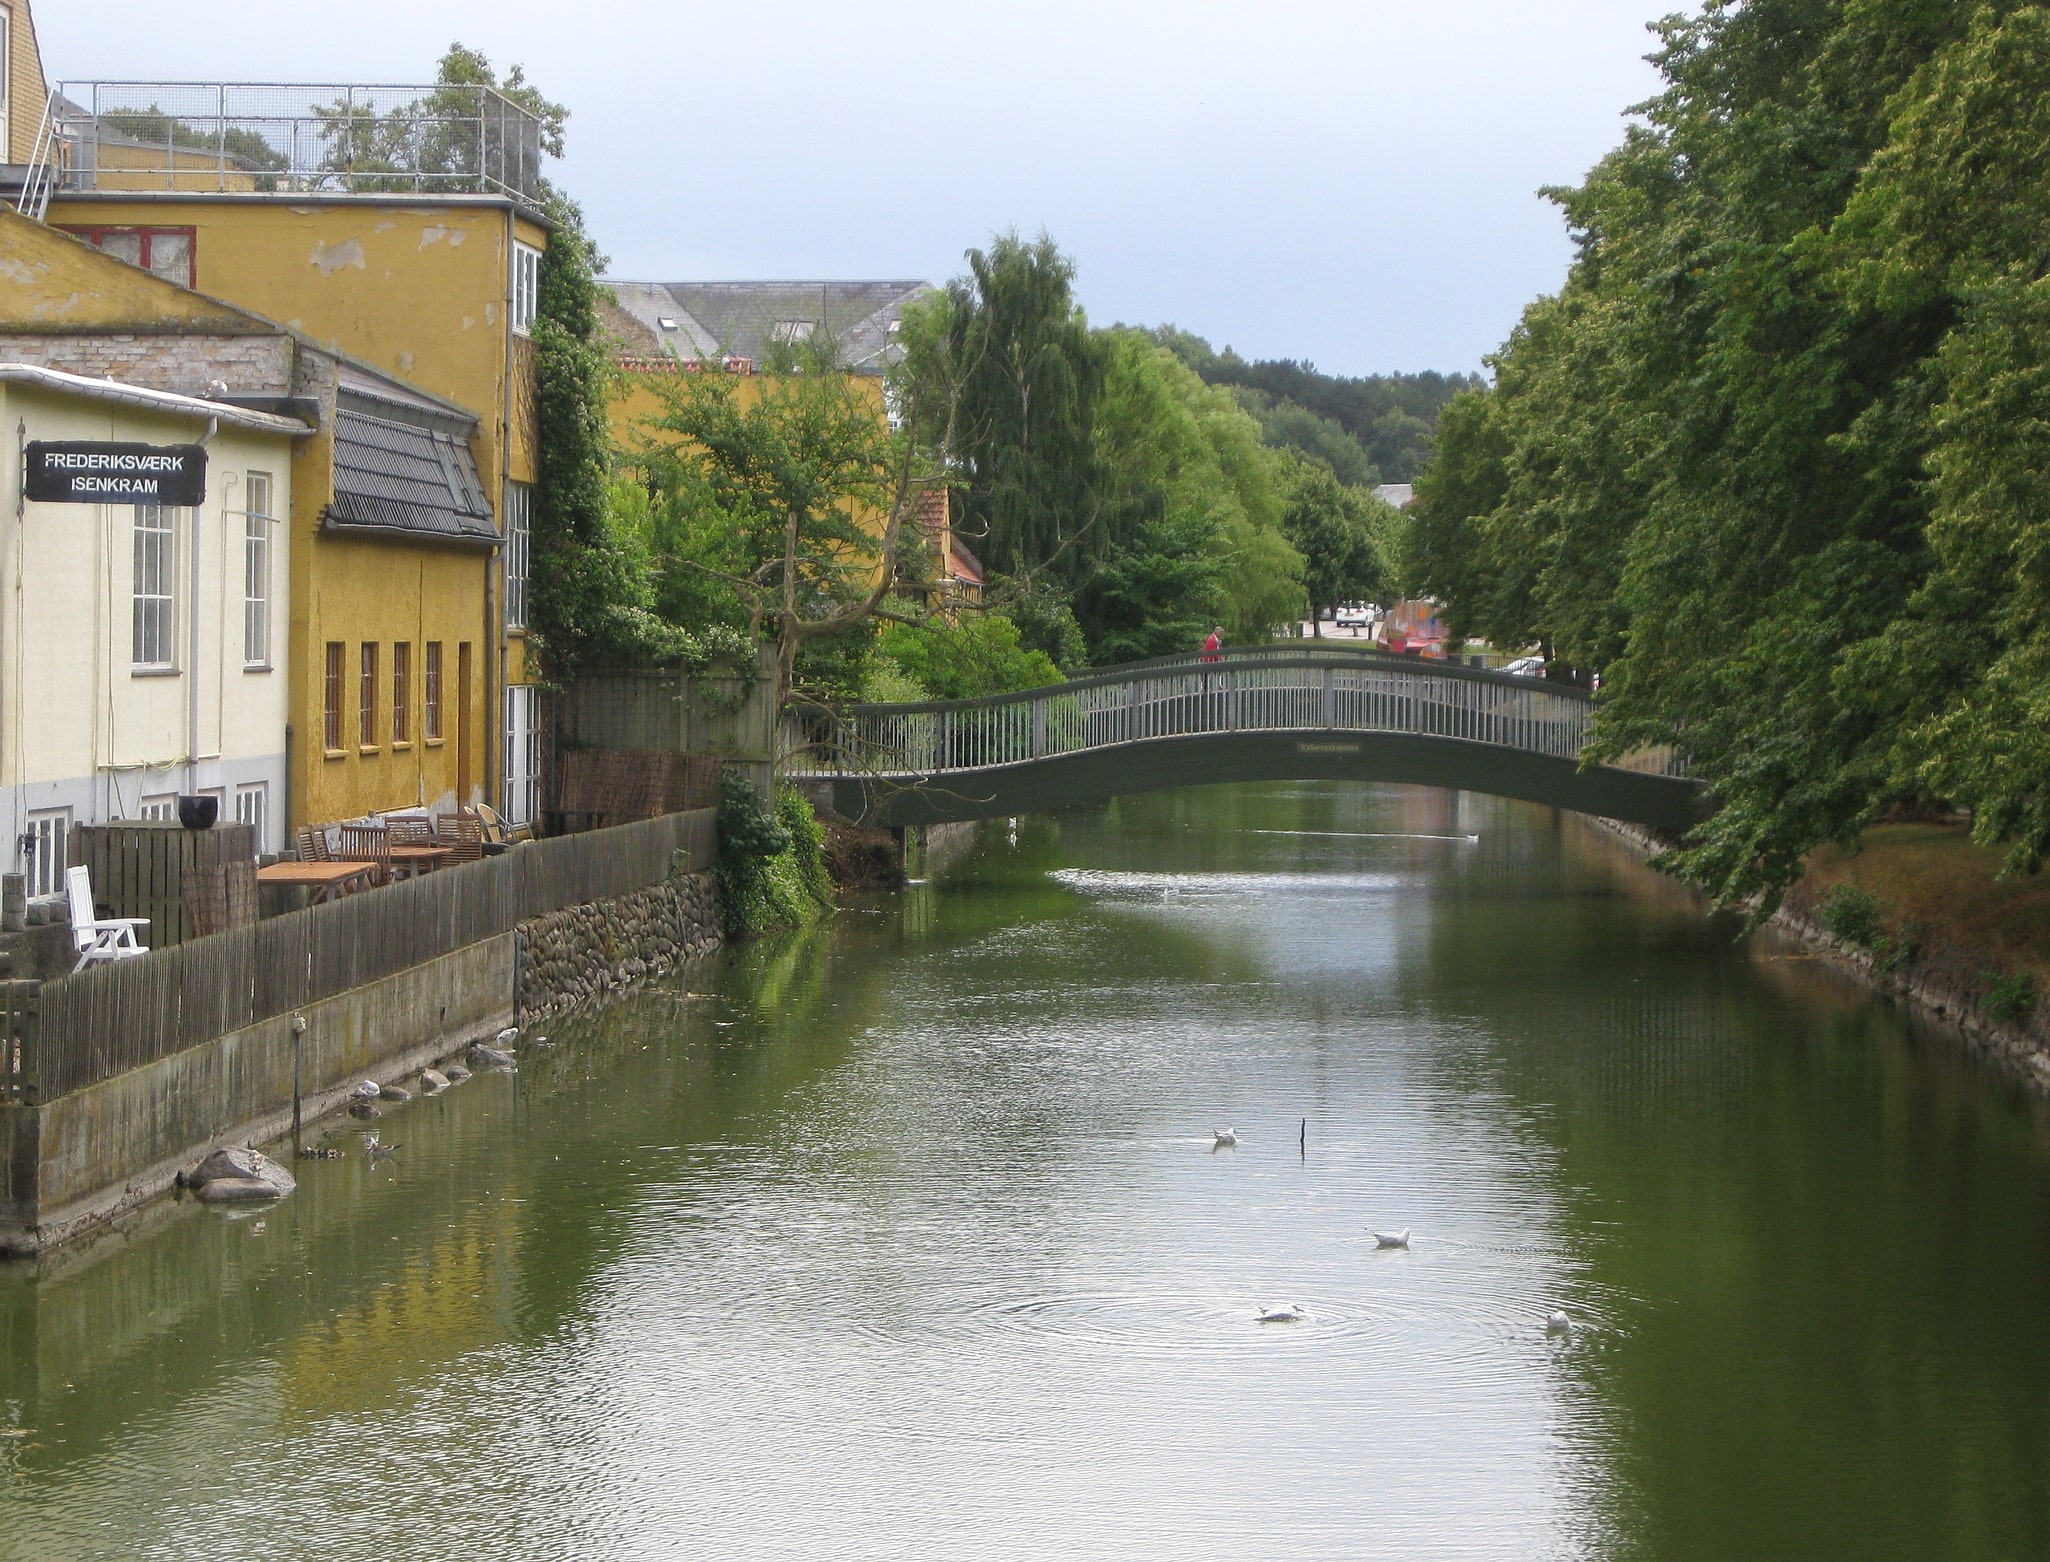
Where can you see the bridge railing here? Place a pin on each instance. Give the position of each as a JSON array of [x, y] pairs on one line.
[[1259, 689]]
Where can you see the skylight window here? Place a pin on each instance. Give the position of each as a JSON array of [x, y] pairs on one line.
[[792, 330], [666, 323]]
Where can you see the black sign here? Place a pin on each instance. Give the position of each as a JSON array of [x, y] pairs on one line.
[[78, 471]]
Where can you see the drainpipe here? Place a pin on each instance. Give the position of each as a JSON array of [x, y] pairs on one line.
[[213, 426]]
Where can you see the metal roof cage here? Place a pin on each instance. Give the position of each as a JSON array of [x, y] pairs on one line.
[[265, 137]]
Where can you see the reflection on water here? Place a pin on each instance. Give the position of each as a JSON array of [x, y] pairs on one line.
[[909, 1238]]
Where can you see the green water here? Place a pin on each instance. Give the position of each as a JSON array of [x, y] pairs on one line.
[[908, 1239]]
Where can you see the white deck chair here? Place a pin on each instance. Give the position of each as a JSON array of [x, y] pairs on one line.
[[111, 939]]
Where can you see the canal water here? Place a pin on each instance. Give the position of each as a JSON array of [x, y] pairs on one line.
[[909, 1238]]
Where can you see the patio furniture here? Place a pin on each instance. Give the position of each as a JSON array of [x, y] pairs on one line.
[[410, 829], [463, 835], [313, 845], [98, 938], [366, 843], [327, 880]]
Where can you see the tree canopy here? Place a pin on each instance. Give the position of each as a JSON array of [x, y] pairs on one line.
[[1774, 457]]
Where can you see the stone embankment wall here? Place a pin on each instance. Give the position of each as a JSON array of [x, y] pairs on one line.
[[583, 951]]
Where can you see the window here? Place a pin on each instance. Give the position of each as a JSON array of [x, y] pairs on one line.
[[6, 64], [401, 692], [49, 840], [792, 331], [256, 525], [162, 806], [331, 731], [518, 533], [430, 694], [522, 753], [154, 563], [252, 806], [526, 286], [366, 692], [163, 252]]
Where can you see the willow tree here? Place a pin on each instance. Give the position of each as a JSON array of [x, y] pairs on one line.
[[1022, 376]]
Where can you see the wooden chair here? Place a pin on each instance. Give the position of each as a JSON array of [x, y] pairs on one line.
[[98, 938], [313, 845], [367, 843], [410, 830], [463, 835]]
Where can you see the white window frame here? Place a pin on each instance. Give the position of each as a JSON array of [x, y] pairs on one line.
[[6, 97], [154, 625], [50, 844], [164, 805], [526, 286], [519, 542], [256, 571], [252, 806], [522, 754]]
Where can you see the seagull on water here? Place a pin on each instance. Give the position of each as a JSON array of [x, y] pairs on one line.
[[1282, 1312], [508, 1036], [1227, 1138], [378, 1148], [1392, 1238], [1558, 1323]]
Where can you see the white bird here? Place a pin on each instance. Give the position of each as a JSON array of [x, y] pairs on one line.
[[1392, 1238], [1282, 1312], [1227, 1138], [366, 1090], [1558, 1323], [508, 1036], [378, 1148]]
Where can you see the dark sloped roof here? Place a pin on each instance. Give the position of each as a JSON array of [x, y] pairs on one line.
[[416, 483], [748, 319]]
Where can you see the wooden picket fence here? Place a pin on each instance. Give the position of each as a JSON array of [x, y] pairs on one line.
[[77, 1030]]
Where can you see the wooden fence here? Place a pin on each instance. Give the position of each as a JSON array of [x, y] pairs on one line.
[[119, 1016]]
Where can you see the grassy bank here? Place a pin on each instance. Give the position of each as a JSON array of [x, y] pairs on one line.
[[1928, 907]]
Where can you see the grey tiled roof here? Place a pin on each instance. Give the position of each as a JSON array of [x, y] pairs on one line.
[[741, 319], [414, 482]]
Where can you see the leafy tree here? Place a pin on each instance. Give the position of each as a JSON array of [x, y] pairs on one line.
[[973, 655], [1347, 538], [1008, 375], [788, 495]]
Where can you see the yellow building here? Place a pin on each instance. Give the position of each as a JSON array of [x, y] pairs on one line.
[[388, 621], [413, 275], [22, 94]]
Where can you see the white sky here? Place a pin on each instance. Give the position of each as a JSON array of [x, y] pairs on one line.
[[1348, 181]]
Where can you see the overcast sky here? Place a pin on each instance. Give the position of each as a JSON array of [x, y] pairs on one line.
[[1347, 181]]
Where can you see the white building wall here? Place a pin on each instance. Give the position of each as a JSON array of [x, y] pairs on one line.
[[80, 726]]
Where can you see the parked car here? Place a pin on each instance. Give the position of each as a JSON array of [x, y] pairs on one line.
[[1526, 667], [1353, 615]]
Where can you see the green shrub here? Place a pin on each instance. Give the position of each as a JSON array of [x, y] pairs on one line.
[[771, 870], [1852, 914], [2010, 999]]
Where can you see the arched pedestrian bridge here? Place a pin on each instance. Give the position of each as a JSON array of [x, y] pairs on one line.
[[1263, 713]]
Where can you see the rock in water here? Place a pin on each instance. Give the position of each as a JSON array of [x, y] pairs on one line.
[[457, 1073], [395, 1093], [433, 1082], [252, 1174], [482, 1056], [366, 1110]]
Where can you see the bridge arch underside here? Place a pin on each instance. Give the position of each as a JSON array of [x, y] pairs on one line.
[[1066, 780]]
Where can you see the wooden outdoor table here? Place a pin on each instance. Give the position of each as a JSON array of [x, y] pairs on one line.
[[411, 860], [327, 880]]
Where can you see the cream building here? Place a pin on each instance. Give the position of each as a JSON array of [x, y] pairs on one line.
[[142, 647]]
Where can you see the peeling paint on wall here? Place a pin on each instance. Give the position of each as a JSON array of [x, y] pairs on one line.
[[333, 257]]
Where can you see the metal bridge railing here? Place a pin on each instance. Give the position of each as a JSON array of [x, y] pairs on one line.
[[1260, 689]]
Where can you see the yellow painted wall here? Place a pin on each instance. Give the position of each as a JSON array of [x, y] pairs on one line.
[[55, 280], [420, 288], [26, 95]]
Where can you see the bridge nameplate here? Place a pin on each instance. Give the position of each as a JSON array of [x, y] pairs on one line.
[[1327, 748]]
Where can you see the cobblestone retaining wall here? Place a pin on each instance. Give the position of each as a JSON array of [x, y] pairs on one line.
[[583, 951]]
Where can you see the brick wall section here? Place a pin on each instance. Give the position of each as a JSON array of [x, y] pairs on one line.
[[251, 365]]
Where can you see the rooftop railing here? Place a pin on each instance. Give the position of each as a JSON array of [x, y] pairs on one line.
[[264, 137]]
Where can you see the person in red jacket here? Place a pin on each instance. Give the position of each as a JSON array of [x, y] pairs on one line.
[[1214, 644]]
